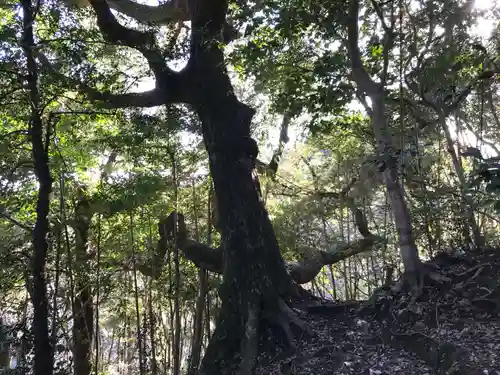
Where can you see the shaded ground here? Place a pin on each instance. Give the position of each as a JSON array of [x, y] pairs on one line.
[[453, 328]]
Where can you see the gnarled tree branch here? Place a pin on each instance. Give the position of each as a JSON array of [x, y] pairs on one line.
[[301, 272], [144, 42], [146, 99]]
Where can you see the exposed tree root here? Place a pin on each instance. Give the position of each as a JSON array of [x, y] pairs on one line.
[[412, 283], [415, 282], [478, 269], [333, 308], [284, 317], [237, 352]]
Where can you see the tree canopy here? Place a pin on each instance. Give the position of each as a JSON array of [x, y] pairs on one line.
[[183, 183]]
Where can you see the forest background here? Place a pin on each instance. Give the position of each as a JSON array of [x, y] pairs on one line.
[[91, 167]]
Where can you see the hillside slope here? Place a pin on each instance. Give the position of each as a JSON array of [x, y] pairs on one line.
[[453, 328]]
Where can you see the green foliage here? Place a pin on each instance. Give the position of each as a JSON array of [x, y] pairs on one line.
[[486, 174], [133, 192], [292, 59]]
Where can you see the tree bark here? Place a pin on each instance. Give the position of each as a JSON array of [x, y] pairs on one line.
[[255, 279], [254, 272], [375, 91], [4, 347], [83, 322], [467, 203], [402, 220], [40, 144]]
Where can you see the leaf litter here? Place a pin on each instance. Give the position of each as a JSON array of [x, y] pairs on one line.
[[452, 328]]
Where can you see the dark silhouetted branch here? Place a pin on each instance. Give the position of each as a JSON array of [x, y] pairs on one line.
[[204, 256]]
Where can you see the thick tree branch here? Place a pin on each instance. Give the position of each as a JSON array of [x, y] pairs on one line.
[[359, 218], [163, 14], [285, 124], [361, 77], [201, 255], [172, 11], [116, 33], [271, 168], [306, 269], [380, 15], [389, 37], [301, 272], [388, 44], [146, 99], [165, 78]]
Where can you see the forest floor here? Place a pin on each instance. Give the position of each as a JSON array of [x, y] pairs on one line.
[[453, 328]]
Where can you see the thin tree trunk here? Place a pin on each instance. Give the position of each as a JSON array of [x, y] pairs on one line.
[[402, 220], [97, 300], [210, 225], [197, 340], [56, 290], [136, 298], [150, 311], [43, 349], [333, 282], [170, 314], [408, 248], [467, 203], [177, 327], [4, 348], [352, 291], [83, 320], [152, 323], [111, 347]]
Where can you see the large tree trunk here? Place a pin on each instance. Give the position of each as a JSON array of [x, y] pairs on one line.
[[255, 278], [254, 271], [256, 282]]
